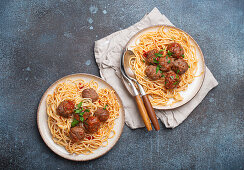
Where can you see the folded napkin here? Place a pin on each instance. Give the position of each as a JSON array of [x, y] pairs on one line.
[[108, 52]]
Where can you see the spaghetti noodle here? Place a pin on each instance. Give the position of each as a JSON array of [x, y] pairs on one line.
[[60, 126], [160, 96]]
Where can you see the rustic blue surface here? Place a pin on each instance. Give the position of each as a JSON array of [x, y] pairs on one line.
[[42, 41]]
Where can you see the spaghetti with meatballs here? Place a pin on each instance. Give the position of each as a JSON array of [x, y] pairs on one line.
[[165, 63], [81, 117]]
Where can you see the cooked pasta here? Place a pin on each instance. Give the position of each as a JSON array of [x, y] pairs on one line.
[[60, 126], [160, 96]]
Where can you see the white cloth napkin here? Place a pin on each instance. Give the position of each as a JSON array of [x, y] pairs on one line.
[[108, 51]]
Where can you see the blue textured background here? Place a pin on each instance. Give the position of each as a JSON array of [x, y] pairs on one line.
[[42, 41]]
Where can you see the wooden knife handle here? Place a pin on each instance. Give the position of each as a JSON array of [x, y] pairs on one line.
[[151, 112], [143, 112]]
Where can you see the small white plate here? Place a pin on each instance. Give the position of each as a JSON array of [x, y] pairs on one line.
[[195, 86], [42, 118]]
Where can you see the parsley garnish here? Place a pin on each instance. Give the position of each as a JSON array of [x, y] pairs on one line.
[[167, 57], [189, 67], [105, 107], [78, 111], [82, 113], [158, 55], [183, 55], [81, 119], [143, 61], [180, 49], [175, 83], [170, 53], [172, 77], [157, 69], [177, 76], [161, 50], [168, 62], [74, 123], [155, 60], [79, 105], [178, 71], [163, 75]]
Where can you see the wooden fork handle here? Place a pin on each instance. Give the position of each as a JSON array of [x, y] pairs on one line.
[[151, 112], [143, 112]]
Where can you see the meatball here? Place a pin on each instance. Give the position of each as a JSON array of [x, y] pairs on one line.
[[77, 133], [180, 66], [150, 57], [151, 72], [92, 124], [66, 108], [176, 49], [166, 63], [102, 114], [77, 116], [171, 80], [85, 115], [90, 93]]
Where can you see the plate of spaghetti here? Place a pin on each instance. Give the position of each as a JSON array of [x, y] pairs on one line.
[[168, 63], [80, 117]]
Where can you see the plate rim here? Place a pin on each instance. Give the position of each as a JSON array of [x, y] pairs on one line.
[[201, 54], [49, 145]]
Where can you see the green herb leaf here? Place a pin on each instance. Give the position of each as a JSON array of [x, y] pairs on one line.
[[158, 55], [178, 71], [161, 50], [183, 55], [172, 77], [167, 57], [105, 107], [79, 105], [170, 53], [180, 49], [81, 113], [143, 61], [177, 76], [87, 110], [81, 119], [157, 69], [163, 75], [155, 61], [189, 67], [77, 111], [74, 123], [175, 83], [168, 62]]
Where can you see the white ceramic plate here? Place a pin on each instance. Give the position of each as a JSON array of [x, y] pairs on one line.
[[195, 86], [60, 150]]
